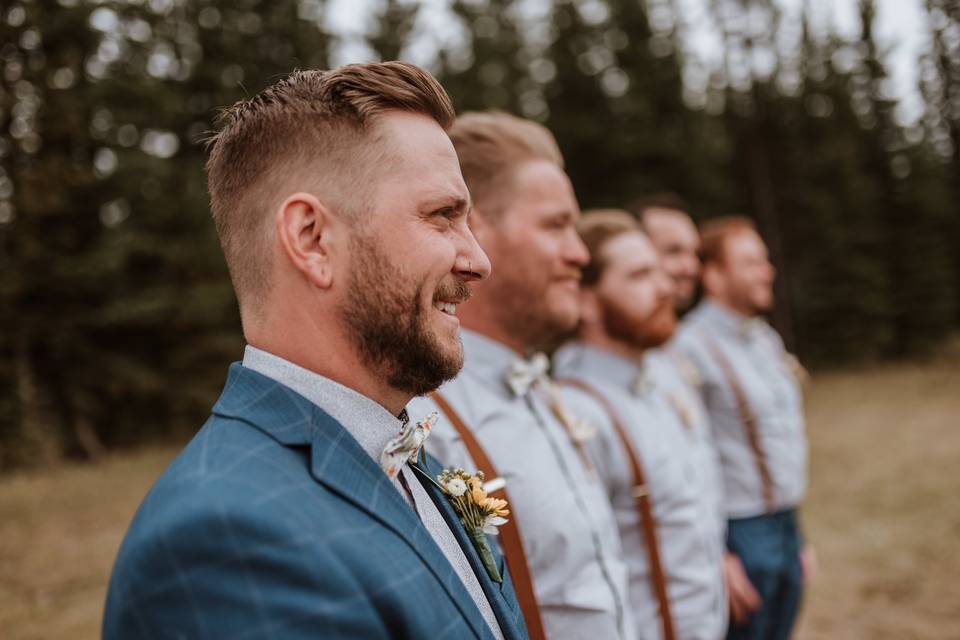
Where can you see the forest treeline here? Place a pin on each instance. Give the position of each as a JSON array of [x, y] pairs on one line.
[[117, 318]]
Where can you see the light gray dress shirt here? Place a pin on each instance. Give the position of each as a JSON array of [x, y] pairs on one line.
[[761, 365], [681, 478], [565, 521], [372, 426], [675, 389]]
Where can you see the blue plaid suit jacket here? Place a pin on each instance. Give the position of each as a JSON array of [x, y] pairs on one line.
[[274, 523]]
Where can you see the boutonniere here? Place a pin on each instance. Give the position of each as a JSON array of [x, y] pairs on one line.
[[797, 370], [683, 410], [579, 430], [479, 513]]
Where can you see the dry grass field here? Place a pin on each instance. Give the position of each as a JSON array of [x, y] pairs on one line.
[[884, 515]]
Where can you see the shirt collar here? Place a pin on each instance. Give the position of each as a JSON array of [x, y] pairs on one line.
[[371, 425], [599, 363], [728, 320]]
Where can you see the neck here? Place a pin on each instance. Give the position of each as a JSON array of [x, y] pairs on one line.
[[599, 339], [479, 318], [323, 348], [729, 305]]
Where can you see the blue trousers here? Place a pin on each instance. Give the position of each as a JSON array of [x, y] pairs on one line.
[[769, 548]]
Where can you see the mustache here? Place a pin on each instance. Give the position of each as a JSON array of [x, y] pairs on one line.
[[456, 292]]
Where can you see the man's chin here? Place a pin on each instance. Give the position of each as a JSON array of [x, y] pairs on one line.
[[682, 302], [763, 304], [563, 321]]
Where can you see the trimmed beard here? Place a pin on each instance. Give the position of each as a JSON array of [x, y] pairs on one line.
[[648, 333], [388, 324]]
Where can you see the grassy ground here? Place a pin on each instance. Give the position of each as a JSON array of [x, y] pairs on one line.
[[884, 507], [883, 513]]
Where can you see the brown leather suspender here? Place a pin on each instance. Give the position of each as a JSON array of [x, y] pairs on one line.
[[509, 536], [749, 419], [644, 505]]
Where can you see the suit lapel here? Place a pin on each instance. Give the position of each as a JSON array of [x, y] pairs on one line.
[[491, 589], [339, 462]]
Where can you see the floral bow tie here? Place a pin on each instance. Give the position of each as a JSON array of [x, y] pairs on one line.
[[525, 373], [405, 447], [749, 328]]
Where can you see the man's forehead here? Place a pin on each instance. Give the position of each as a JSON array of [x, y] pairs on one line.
[[746, 243], [631, 248], [671, 222], [420, 156]]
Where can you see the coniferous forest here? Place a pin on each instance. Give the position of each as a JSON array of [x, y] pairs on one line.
[[117, 318]]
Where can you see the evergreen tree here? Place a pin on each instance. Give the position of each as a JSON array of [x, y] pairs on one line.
[[394, 25], [494, 69]]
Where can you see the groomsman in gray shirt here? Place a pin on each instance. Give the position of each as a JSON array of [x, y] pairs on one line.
[[654, 452], [674, 235], [751, 391], [502, 413]]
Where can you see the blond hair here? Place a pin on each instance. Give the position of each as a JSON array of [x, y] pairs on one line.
[[490, 145], [312, 125], [597, 227]]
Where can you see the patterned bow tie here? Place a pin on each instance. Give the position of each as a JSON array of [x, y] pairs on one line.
[[405, 447], [526, 373], [749, 328]]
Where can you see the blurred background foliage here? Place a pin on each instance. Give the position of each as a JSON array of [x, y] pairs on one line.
[[117, 318]]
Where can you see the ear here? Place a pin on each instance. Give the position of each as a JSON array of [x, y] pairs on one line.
[[304, 227], [712, 280]]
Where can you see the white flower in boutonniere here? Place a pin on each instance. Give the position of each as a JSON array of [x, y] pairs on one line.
[[479, 513], [456, 487]]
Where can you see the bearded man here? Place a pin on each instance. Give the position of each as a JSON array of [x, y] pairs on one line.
[[666, 221], [654, 453], [297, 510], [502, 413], [750, 387]]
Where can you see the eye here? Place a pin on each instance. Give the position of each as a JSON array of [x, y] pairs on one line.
[[449, 214]]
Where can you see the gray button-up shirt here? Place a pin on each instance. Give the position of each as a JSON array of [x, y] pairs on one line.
[[760, 363], [372, 426], [565, 521], [680, 470]]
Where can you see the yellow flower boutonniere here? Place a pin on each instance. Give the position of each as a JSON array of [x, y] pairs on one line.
[[479, 513]]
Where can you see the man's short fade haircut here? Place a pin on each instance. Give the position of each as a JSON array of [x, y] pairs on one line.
[[714, 234], [490, 145], [312, 125], [597, 227]]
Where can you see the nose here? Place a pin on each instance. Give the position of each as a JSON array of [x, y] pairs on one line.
[[664, 285], [574, 250], [472, 263]]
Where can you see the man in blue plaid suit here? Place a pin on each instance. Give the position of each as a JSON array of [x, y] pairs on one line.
[[301, 508]]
